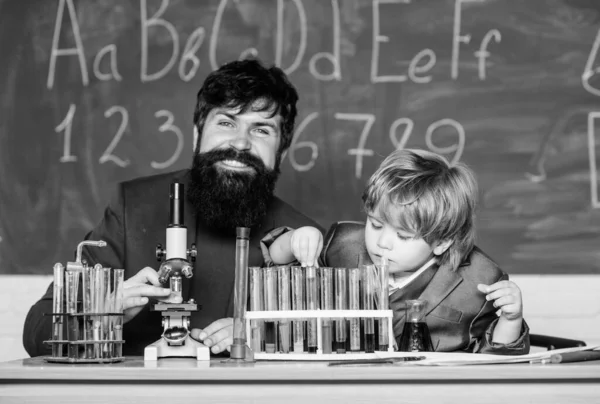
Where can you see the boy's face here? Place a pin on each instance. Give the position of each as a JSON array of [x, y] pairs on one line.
[[404, 252]]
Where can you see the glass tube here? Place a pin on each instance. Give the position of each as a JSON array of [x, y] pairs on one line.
[[240, 295], [72, 283], [270, 283], [298, 303], [341, 303], [86, 281], [312, 303], [368, 303], [118, 275], [57, 307], [383, 303], [97, 296], [106, 308], [283, 278], [354, 304], [256, 304], [326, 304]]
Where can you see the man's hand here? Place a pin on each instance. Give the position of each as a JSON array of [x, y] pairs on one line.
[[506, 296], [218, 336], [306, 244], [141, 286]]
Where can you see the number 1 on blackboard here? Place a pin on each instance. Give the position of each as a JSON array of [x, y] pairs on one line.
[[67, 125]]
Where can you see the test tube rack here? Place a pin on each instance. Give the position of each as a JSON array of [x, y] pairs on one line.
[[318, 314], [87, 350]]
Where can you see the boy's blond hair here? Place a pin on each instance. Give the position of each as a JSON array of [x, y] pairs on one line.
[[419, 191]]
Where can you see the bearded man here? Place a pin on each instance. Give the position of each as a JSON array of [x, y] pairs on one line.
[[243, 125]]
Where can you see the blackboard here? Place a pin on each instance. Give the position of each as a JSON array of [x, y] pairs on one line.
[[93, 93]]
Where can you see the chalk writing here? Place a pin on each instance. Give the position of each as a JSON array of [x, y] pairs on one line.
[[114, 73], [360, 150], [169, 127], [146, 23], [458, 148], [77, 50], [107, 155], [332, 57], [377, 38], [295, 145], [279, 36], [482, 54], [189, 54], [67, 125], [589, 71]]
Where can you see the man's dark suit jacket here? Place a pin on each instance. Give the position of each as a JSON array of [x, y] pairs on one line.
[[458, 315], [133, 224]]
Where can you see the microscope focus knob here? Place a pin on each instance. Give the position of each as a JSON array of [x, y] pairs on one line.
[[187, 271], [160, 252], [192, 252]]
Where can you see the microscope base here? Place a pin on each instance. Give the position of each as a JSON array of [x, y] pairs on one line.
[[190, 349]]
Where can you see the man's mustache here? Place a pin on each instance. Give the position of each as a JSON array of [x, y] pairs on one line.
[[214, 156]]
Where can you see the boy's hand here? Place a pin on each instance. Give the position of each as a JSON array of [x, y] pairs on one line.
[[306, 244], [506, 296]]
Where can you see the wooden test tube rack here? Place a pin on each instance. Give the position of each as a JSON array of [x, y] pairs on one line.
[[318, 314]]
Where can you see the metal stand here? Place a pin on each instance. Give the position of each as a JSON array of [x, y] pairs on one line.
[[175, 340]]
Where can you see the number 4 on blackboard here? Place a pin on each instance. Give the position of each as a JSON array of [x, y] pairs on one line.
[[67, 125]]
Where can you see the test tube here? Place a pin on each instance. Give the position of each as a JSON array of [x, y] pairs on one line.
[[72, 283], [97, 296], [118, 275], [383, 303], [86, 295], [270, 281], [326, 304], [240, 295], [368, 291], [354, 304], [312, 303], [283, 278], [341, 303], [298, 303], [106, 308], [57, 307], [256, 304]]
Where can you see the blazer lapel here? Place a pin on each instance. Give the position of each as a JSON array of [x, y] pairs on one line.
[[444, 281]]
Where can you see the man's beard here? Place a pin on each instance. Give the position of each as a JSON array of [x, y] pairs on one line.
[[225, 198]]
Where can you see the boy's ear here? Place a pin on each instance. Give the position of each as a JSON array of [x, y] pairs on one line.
[[442, 246]]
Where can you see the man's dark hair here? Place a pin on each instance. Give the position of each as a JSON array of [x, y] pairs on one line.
[[239, 84]]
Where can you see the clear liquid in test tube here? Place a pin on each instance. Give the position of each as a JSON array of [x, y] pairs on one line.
[[298, 303], [86, 282], [383, 302], [256, 304], [326, 304], [368, 303], [270, 284], [283, 278], [72, 284], [354, 304], [341, 303], [118, 275], [58, 307], [106, 308], [312, 303], [97, 303]]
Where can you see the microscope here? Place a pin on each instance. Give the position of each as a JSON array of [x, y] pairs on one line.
[[175, 340]]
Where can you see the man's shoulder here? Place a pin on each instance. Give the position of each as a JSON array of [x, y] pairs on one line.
[[480, 267], [282, 213]]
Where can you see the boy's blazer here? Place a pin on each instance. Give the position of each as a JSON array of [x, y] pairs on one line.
[[458, 315]]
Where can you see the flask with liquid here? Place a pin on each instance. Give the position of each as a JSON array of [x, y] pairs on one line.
[[415, 334]]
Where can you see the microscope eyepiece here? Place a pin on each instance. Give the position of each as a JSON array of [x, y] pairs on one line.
[[176, 205]]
